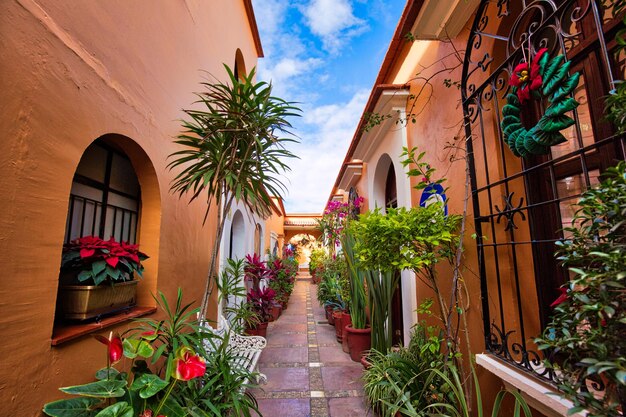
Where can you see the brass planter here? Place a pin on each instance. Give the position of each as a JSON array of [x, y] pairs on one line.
[[83, 302]]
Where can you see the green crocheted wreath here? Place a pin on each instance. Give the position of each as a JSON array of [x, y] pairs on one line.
[[545, 78]]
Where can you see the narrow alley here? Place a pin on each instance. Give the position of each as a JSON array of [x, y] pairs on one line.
[[307, 372]]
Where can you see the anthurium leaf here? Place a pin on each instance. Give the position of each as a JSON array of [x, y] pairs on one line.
[[73, 407], [171, 408], [100, 389], [134, 348], [107, 373], [121, 409], [148, 385]]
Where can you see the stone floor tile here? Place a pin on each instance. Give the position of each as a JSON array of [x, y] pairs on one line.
[[285, 379], [284, 355], [349, 407], [286, 339], [337, 378], [334, 355], [273, 407]]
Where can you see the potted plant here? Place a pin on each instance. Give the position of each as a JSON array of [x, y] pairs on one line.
[[261, 302], [98, 277], [358, 333]]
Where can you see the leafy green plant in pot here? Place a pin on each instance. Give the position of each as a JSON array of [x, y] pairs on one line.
[[98, 276], [585, 342], [232, 152], [416, 239]]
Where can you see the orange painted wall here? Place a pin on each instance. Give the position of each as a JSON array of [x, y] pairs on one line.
[[438, 125], [69, 75]]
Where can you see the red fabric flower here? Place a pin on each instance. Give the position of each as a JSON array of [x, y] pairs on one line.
[[114, 346], [561, 299], [188, 364], [527, 79]]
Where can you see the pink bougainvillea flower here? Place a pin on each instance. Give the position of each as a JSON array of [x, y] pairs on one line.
[[188, 365], [561, 298], [114, 346], [527, 78]]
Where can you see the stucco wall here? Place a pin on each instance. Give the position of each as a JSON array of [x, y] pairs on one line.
[[69, 75]]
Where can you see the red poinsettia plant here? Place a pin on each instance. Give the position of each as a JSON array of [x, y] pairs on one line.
[[100, 261]]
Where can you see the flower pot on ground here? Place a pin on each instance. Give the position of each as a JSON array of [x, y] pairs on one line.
[[338, 316], [359, 342], [346, 320], [331, 317], [97, 277], [328, 310], [259, 330], [275, 311]]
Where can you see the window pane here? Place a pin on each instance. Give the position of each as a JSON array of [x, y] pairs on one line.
[[93, 163], [123, 176]]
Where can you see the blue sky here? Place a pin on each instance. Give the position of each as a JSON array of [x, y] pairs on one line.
[[324, 54]]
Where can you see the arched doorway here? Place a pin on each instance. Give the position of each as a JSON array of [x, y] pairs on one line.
[[237, 245], [397, 322], [305, 243]]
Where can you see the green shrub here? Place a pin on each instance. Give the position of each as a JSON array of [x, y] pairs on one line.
[[587, 332], [401, 378]]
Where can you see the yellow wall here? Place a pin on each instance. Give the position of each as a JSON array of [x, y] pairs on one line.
[[68, 76]]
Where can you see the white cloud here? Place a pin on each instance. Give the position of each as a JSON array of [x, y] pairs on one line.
[[328, 131], [333, 21]]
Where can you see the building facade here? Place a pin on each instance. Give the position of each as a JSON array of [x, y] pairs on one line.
[[92, 97], [442, 88]]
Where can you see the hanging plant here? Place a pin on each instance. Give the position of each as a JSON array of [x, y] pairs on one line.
[[542, 77]]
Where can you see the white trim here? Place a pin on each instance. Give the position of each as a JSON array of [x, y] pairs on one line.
[[539, 396]]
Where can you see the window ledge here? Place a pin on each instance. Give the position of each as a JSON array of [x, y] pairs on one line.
[[539, 396], [65, 332]]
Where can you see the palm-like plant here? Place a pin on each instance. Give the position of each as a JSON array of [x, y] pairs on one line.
[[233, 152]]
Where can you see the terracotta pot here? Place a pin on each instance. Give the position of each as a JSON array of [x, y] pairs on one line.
[[366, 364], [331, 317], [346, 320], [328, 311], [259, 330], [359, 342], [275, 311], [338, 316]]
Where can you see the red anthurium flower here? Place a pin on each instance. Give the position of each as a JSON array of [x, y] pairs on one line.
[[114, 345], [527, 79], [188, 364], [561, 299]]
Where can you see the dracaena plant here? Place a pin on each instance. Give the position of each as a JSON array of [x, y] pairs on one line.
[[176, 358], [99, 261], [261, 301], [233, 149]]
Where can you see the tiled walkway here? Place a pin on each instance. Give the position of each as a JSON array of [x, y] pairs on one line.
[[308, 374]]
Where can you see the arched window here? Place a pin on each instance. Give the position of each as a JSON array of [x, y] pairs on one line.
[[105, 198], [522, 203], [258, 239]]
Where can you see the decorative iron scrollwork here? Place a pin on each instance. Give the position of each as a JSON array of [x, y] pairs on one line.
[[509, 211]]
